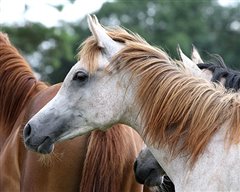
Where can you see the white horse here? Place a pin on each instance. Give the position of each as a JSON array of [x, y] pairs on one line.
[[190, 125], [146, 168]]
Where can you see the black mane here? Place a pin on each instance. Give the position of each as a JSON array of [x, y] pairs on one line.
[[220, 70]]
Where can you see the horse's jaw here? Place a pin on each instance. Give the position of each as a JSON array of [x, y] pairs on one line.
[[46, 147], [75, 133]]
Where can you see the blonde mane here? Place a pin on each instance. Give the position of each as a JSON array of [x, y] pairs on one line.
[[178, 110]]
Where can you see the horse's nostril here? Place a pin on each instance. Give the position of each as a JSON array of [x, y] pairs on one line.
[[135, 166], [27, 131]]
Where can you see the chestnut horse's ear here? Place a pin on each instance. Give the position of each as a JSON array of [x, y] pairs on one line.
[[196, 58], [104, 41]]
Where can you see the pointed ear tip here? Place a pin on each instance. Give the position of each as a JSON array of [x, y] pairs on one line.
[[89, 16], [92, 19], [100, 44], [89, 19], [178, 46], [179, 49], [94, 16]]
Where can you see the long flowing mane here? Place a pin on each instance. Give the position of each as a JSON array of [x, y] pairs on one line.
[[17, 84], [178, 110], [105, 159]]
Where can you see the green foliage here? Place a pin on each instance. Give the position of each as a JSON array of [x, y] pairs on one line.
[[168, 23], [164, 23]]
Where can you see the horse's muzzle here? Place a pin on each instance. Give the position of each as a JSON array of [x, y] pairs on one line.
[[42, 145], [149, 177]]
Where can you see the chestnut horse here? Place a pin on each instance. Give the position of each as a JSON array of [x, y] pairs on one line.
[[98, 161], [190, 124]]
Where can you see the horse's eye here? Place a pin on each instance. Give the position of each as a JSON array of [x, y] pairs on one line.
[[80, 76]]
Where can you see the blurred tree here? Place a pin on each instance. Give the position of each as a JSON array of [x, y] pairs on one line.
[[49, 50], [209, 26]]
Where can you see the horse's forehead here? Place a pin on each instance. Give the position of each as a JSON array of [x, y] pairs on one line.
[[100, 62], [78, 66]]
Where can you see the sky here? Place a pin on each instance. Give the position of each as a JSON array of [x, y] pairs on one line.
[[13, 11]]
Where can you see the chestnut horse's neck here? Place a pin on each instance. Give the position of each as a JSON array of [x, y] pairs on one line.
[[17, 85]]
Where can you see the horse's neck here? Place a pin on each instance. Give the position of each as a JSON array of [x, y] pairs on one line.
[[131, 116], [212, 170], [11, 119], [213, 162], [175, 168]]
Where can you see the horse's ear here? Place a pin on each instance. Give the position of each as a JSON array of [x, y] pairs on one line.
[[189, 64], [196, 58], [186, 61], [104, 41]]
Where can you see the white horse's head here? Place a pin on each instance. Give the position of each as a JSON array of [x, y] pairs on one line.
[[90, 97], [103, 88]]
